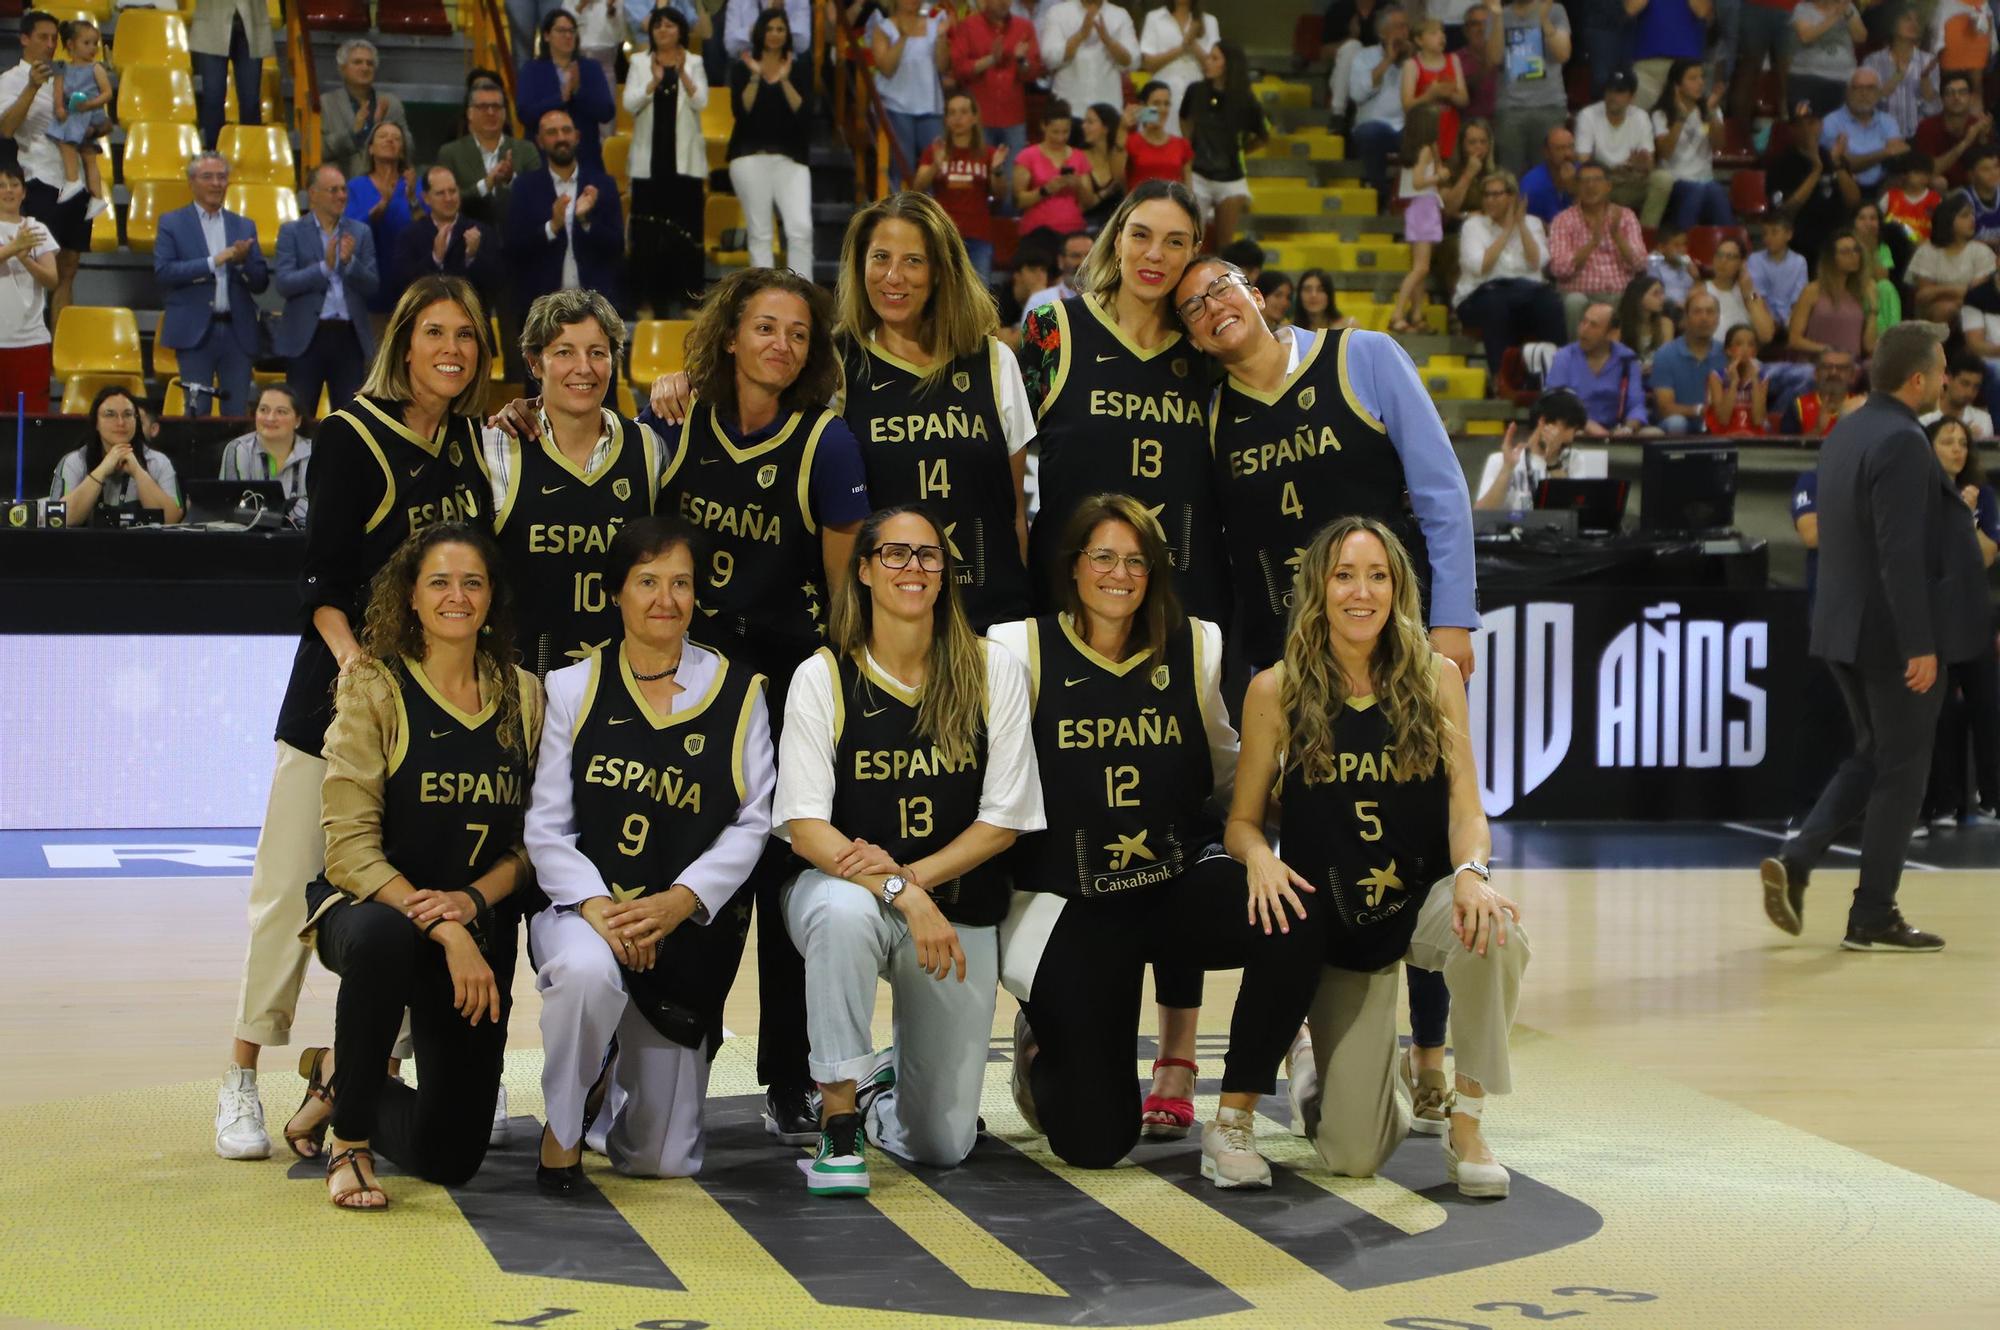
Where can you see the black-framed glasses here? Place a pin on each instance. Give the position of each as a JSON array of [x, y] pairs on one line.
[[898, 554], [1103, 561], [1190, 309]]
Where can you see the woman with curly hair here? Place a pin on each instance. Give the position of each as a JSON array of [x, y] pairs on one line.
[[1362, 732], [428, 761]]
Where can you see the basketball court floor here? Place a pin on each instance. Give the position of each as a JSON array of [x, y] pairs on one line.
[[1716, 1126]]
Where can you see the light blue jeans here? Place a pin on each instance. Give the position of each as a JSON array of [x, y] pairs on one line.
[[913, 133]]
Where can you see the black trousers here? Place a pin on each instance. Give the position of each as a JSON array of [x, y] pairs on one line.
[[1882, 782], [439, 1129], [1970, 716], [331, 360], [1511, 311], [1823, 738], [213, 70]]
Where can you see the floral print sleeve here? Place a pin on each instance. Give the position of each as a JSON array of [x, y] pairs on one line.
[[1041, 352]]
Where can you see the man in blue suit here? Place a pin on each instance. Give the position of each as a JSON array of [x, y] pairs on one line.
[[209, 269], [564, 227], [326, 272]]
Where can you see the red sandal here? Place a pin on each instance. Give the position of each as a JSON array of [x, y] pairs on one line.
[[1175, 1117]]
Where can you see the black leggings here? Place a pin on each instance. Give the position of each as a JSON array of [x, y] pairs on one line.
[[1971, 712], [439, 1129]]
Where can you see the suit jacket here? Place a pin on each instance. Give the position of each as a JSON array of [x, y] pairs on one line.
[[302, 281], [463, 158], [187, 279], [537, 260], [414, 251], [339, 141], [1899, 569]]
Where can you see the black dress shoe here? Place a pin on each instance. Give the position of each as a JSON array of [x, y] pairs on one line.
[[1784, 895], [791, 1113], [562, 1180], [1892, 934]]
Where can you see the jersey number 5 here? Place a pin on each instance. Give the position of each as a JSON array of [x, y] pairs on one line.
[[1370, 820]]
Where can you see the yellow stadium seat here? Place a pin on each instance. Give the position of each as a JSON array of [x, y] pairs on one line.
[[722, 213], [270, 112], [627, 407], [259, 155], [78, 389], [1454, 381], [159, 150], [151, 37], [104, 232], [618, 161], [155, 92], [151, 199], [1282, 92], [97, 11], [659, 346], [1353, 201], [166, 360], [1374, 256], [269, 206], [277, 12], [717, 118], [94, 340]]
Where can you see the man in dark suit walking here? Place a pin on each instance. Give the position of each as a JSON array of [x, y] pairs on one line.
[[564, 227], [1901, 588], [327, 269], [210, 269]]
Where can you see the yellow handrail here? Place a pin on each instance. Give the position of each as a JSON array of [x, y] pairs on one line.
[[858, 113], [490, 46], [305, 87]]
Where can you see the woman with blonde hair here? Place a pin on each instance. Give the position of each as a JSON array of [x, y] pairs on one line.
[[404, 454], [1837, 309], [1358, 746], [905, 767]]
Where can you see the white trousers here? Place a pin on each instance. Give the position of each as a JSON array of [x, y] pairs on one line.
[[1363, 1111], [850, 939], [764, 180], [650, 1125]]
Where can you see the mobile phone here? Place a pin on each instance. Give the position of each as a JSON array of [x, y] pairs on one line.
[[1149, 115]]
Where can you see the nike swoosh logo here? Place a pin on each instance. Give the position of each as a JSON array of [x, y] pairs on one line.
[[1112, 356], [618, 720], [550, 489], [1071, 683], [1241, 419], [876, 387], [876, 712], [710, 461], [440, 734], [416, 471]]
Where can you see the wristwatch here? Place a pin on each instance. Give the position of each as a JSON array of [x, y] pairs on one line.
[[1474, 866], [893, 888]]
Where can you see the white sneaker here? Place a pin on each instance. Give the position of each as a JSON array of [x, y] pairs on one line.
[[1229, 1155], [1482, 1180], [70, 189], [239, 1117], [1302, 1084], [96, 207], [498, 1136]]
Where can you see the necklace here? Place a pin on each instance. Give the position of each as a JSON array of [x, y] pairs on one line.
[[667, 673]]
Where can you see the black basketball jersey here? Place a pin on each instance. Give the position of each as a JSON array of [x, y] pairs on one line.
[[939, 441], [1370, 843], [454, 799], [896, 789], [1123, 421], [1124, 763], [554, 524], [766, 577], [1286, 464]]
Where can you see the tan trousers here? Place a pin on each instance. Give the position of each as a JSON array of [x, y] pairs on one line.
[[1363, 1111], [291, 851]]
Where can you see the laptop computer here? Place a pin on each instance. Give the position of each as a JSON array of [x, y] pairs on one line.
[[1599, 505], [217, 500]]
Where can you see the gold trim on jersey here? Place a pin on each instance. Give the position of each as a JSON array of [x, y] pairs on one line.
[[750, 695], [589, 695], [1065, 348], [486, 711], [806, 469], [869, 344], [839, 694], [902, 692], [1110, 322], [1034, 663], [1361, 703], [654, 718], [388, 504], [517, 480], [1291, 381], [1347, 387], [1119, 668], [755, 450], [400, 749], [432, 445]]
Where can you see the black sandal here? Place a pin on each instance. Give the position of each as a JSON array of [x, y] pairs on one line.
[[310, 1061], [351, 1159]]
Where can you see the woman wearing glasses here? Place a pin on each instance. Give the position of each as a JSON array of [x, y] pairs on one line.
[[906, 765], [1503, 252], [1133, 743]]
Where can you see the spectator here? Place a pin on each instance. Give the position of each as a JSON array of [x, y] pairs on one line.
[[911, 48], [384, 199], [1683, 367], [227, 35], [1471, 171], [1764, 33], [486, 158], [1529, 47], [1604, 374], [1511, 478], [1375, 84], [1432, 77], [1738, 397], [1971, 714], [1087, 45], [1033, 266], [1221, 120], [1174, 43], [773, 103], [1247, 255], [27, 275], [1052, 179], [524, 18], [1908, 73], [1482, 83], [1966, 40], [449, 244], [1735, 293], [1153, 151], [209, 270], [1350, 29], [1595, 246], [966, 177], [741, 17], [666, 93], [1606, 40], [83, 91], [1670, 263], [1838, 310], [1643, 322], [1070, 258], [1276, 288], [114, 468], [1423, 217], [564, 230], [1313, 304], [27, 94], [1823, 62], [274, 450], [1502, 250], [1812, 414], [994, 57], [1965, 375], [558, 79], [1611, 134], [327, 270], [1104, 149], [1877, 263], [1982, 188], [1981, 328], [1801, 183], [1665, 33], [1909, 201], [348, 114], [1551, 186], [1861, 137], [1777, 274], [1685, 129], [600, 32], [1961, 126]]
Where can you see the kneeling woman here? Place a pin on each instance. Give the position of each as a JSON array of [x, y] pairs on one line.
[[906, 766], [428, 760], [1362, 730], [652, 804]]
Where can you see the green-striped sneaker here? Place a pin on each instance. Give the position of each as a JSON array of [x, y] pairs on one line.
[[881, 1077], [839, 1168]]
